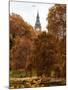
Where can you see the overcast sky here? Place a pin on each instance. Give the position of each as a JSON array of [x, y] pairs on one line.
[[29, 12]]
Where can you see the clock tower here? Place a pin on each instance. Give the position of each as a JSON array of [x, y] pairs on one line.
[[37, 24]]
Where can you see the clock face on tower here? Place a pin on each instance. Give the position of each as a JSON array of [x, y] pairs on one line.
[[37, 29]]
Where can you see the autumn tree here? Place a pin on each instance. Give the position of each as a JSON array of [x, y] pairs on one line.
[[19, 27], [57, 26], [57, 20], [21, 36], [46, 53], [63, 55]]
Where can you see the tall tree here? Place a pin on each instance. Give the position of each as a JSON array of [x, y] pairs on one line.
[[21, 36], [57, 20], [46, 53]]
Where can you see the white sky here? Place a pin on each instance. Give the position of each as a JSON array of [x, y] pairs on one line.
[[29, 12]]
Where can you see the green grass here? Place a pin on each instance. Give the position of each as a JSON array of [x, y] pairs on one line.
[[22, 74], [17, 74]]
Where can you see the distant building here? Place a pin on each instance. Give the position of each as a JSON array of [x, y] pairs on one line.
[[38, 24]]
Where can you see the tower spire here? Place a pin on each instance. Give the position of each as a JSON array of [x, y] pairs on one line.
[[37, 24]]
